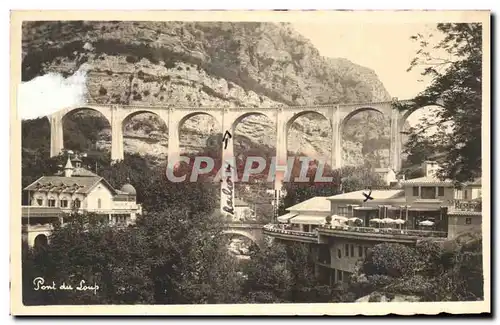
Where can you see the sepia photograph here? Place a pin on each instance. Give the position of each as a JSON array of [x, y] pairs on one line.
[[250, 163]]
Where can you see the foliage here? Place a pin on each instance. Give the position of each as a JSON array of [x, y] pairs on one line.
[[457, 86], [173, 256], [449, 271], [284, 272], [394, 260]]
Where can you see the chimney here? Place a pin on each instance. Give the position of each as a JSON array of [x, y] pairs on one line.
[[68, 169], [430, 168]]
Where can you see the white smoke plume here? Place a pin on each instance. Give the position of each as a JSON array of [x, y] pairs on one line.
[[49, 93]]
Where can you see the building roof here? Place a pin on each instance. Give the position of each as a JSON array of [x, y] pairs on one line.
[[428, 180], [382, 170], [79, 172], [308, 219], [68, 164], [376, 194], [128, 189], [318, 203], [82, 172], [61, 184], [474, 183]]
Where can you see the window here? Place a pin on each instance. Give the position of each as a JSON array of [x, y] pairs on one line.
[[428, 192], [98, 203], [339, 253], [465, 195], [415, 191], [468, 221], [324, 254], [440, 191], [346, 252], [39, 202], [342, 211], [366, 251], [77, 203], [52, 203], [339, 275], [352, 250], [360, 251], [64, 203]]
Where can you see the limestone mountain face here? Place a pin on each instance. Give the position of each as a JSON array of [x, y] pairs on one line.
[[211, 64]]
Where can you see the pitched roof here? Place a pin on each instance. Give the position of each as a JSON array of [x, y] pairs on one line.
[[318, 203], [428, 180], [382, 170], [62, 184], [68, 164], [79, 172], [476, 182], [375, 194]]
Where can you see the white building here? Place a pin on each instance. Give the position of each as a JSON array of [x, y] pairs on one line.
[[76, 189], [387, 174]]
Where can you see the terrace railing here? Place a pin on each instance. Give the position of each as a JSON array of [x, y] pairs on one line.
[[387, 231], [276, 229]]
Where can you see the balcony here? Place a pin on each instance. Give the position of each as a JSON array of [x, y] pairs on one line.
[[378, 234], [286, 234]]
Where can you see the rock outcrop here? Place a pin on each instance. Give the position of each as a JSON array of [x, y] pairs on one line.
[[201, 64]]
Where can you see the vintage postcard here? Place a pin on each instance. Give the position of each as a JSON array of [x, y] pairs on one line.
[[250, 162]]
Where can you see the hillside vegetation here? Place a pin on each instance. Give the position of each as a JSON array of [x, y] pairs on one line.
[[211, 64]]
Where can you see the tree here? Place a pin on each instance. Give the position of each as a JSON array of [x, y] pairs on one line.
[[268, 279], [284, 272], [175, 254], [393, 260], [457, 86]]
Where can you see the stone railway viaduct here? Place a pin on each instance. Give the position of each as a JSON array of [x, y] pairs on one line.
[[228, 118]]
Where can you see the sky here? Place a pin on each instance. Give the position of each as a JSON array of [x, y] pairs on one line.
[[384, 48]]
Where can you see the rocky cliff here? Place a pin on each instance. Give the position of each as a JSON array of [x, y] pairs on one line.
[[211, 64]]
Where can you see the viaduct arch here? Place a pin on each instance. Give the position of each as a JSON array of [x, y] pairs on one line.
[[251, 231]]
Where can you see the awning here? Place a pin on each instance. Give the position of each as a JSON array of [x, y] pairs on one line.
[[366, 208], [284, 218], [424, 209], [308, 220]]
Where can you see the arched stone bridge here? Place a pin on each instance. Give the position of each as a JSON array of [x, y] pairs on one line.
[[228, 118], [252, 231]]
